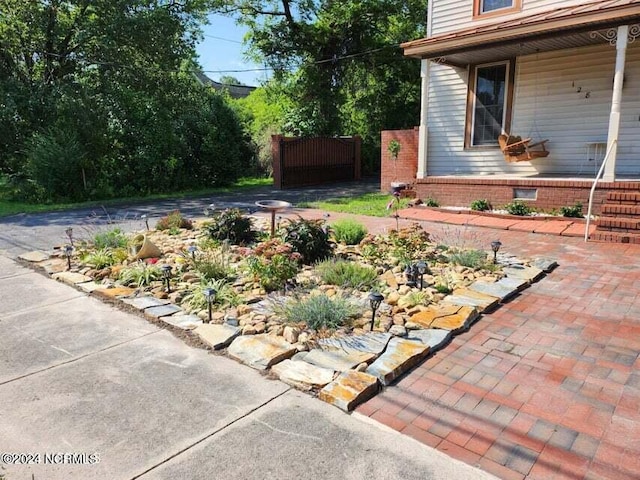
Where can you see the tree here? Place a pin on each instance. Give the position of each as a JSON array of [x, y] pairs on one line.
[[339, 61], [99, 93], [229, 80]]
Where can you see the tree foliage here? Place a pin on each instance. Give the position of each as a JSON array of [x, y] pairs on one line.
[[339, 62], [97, 99]]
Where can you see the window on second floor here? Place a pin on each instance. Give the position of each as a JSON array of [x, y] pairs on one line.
[[483, 8]]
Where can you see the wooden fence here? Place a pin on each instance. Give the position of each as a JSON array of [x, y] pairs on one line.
[[315, 160]]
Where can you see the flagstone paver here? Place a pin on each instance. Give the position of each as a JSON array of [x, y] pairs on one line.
[[161, 311], [183, 321], [303, 375], [495, 289], [71, 278], [372, 342], [144, 302], [447, 317], [435, 338], [260, 351], [89, 286], [217, 335], [337, 359], [471, 298], [53, 265], [400, 356], [34, 257], [530, 274], [349, 390], [114, 292]]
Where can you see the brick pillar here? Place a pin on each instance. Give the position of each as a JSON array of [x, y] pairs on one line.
[[405, 168], [275, 160], [357, 172]]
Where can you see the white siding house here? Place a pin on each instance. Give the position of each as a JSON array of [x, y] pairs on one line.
[[542, 69]]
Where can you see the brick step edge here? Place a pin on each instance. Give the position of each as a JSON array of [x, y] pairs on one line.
[[615, 237], [618, 223], [619, 210], [620, 197]]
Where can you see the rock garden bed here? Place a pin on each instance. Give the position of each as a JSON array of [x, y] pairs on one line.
[[302, 303]]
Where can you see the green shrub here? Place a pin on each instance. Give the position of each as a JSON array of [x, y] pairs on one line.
[[195, 299], [414, 298], [114, 238], [469, 258], [307, 237], [431, 202], [480, 205], [573, 212], [445, 289], [347, 274], [348, 231], [232, 225], [518, 207], [140, 274], [318, 311], [273, 263], [173, 221]]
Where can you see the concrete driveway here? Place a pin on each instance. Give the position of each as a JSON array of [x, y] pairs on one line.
[[92, 392]]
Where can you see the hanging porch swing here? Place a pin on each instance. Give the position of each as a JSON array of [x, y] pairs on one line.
[[515, 149]]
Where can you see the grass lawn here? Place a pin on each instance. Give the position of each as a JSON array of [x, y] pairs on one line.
[[372, 204], [10, 207]]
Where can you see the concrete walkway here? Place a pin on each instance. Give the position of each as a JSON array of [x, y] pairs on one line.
[[80, 377]]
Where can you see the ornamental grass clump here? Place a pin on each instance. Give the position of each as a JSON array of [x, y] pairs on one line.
[[318, 311], [349, 232], [469, 258], [346, 274], [173, 222], [211, 264], [114, 238], [196, 300], [140, 274], [273, 263]]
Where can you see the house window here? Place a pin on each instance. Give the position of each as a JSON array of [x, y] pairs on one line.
[[495, 7], [490, 95]]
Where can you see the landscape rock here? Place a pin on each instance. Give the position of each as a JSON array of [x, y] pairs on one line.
[[182, 321], [71, 278], [116, 292], [349, 390], [471, 298], [303, 375], [337, 359], [34, 257], [291, 334], [374, 342], [398, 331], [260, 351], [217, 336], [400, 356], [144, 302], [435, 338], [530, 274], [447, 317], [161, 311]]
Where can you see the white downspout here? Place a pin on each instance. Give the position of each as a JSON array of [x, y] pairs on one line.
[[614, 117], [423, 130]]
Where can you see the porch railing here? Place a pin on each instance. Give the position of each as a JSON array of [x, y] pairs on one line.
[[593, 188]]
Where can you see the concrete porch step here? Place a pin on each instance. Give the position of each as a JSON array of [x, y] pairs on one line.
[[615, 224], [615, 237], [623, 198], [618, 210]]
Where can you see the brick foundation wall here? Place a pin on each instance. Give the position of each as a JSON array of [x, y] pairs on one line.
[[405, 167], [551, 194]]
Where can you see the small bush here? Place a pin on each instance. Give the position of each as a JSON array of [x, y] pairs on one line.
[[110, 239], [307, 237], [173, 221], [445, 289], [195, 299], [273, 264], [572, 212], [318, 311], [431, 202], [99, 259], [517, 207], [140, 274], [348, 231], [232, 225], [414, 298], [347, 274], [480, 205], [469, 258]]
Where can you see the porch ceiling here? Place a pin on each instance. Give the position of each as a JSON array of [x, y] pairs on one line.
[[566, 27]]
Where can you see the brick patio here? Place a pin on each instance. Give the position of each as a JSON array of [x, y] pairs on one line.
[[547, 386]]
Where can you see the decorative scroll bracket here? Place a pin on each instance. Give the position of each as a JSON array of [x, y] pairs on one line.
[[611, 35]]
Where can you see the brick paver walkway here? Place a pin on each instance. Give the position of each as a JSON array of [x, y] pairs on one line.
[[547, 386]]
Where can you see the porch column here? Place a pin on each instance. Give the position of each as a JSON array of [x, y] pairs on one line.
[[423, 130], [614, 117]]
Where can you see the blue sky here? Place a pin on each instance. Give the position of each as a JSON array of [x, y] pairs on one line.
[[222, 49]]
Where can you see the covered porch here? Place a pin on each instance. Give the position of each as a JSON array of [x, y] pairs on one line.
[[571, 75]]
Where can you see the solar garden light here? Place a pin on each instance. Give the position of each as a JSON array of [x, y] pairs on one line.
[[210, 296], [146, 220], [166, 273], [192, 249], [68, 250], [208, 211], [411, 274], [495, 246], [422, 269], [69, 232], [375, 299]]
